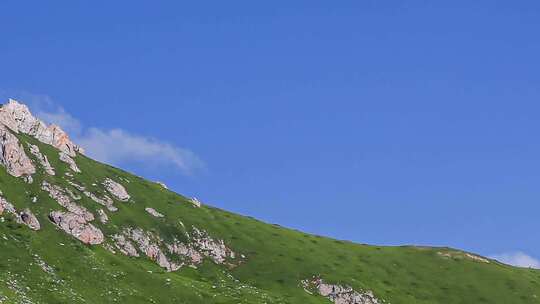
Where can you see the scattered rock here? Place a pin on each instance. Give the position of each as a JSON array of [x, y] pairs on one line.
[[12, 155], [116, 190], [214, 249], [153, 212], [68, 160], [29, 219], [103, 218], [191, 253], [125, 246], [25, 217], [64, 200], [105, 201], [195, 202], [77, 226], [162, 185], [18, 118], [43, 160], [338, 294]]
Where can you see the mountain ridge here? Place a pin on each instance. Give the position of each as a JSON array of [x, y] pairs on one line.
[[77, 231]]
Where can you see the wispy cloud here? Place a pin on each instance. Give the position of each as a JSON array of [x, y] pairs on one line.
[[518, 259], [115, 146]]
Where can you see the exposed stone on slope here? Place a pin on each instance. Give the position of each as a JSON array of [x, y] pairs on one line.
[[64, 200], [153, 212], [18, 118], [195, 202], [77, 226], [124, 245], [105, 201], [338, 294], [25, 217], [162, 184], [155, 248], [12, 155], [43, 160], [68, 160], [116, 190], [29, 219], [103, 218], [214, 249]]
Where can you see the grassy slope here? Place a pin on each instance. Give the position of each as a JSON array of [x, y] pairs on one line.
[[277, 258]]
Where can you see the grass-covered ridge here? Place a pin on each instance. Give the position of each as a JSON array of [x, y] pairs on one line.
[[49, 266]]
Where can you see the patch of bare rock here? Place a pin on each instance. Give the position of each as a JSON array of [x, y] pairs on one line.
[[116, 189], [153, 212], [338, 294], [103, 218], [77, 226], [195, 202], [12, 155]]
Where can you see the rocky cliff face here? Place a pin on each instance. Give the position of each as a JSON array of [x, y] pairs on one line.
[[18, 118]]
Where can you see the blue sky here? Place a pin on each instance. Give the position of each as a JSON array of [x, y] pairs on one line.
[[406, 122]]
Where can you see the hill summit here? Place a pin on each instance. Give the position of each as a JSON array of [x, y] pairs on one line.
[[73, 230]]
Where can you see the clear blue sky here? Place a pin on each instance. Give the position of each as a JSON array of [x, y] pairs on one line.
[[391, 123]]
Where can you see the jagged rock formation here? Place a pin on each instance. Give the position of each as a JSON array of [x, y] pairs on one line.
[[153, 212], [18, 118], [68, 160], [338, 294], [116, 190], [12, 155], [77, 226], [43, 160]]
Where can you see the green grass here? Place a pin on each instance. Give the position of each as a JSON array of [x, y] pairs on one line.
[[277, 258]]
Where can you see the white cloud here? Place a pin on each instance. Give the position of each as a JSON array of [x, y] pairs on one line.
[[117, 146], [518, 259], [114, 146]]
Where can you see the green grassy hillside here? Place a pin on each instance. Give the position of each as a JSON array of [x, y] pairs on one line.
[[50, 266]]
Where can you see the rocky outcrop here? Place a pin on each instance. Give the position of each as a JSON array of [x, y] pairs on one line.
[[104, 201], [192, 253], [77, 226], [116, 190], [62, 197], [68, 160], [26, 217], [338, 294], [153, 212], [43, 160], [18, 118], [12, 155], [214, 249], [148, 243]]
